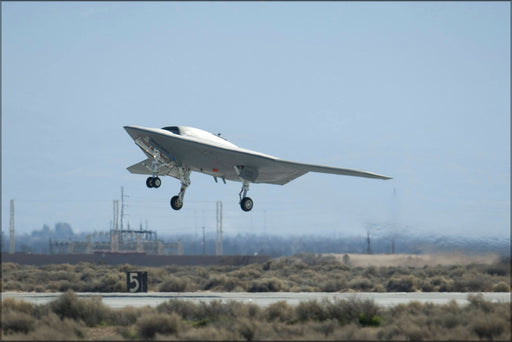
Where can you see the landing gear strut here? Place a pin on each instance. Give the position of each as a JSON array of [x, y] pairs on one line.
[[177, 201], [155, 182], [246, 203]]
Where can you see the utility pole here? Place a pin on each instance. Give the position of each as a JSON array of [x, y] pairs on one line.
[[368, 248], [204, 243], [11, 229], [265, 221], [114, 239], [219, 228], [122, 206]]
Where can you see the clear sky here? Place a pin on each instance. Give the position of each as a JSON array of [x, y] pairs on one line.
[[419, 91]]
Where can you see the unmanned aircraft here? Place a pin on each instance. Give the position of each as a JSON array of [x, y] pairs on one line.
[[176, 151]]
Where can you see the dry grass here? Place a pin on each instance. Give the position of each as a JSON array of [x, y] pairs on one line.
[[66, 319], [301, 273]]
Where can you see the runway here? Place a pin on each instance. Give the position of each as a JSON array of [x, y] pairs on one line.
[[120, 300]]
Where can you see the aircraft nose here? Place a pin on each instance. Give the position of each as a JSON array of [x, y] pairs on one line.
[[133, 131]]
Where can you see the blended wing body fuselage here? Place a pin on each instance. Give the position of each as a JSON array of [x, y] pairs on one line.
[[178, 150]]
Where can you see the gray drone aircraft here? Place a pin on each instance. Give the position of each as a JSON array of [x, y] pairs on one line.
[[176, 151]]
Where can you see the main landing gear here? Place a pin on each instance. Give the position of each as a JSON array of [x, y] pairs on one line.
[[177, 201], [153, 182]]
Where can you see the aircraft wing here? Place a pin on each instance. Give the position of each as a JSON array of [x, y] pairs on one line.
[[228, 162], [144, 168], [303, 168]]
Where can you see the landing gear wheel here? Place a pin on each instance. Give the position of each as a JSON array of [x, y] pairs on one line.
[[153, 182], [246, 204], [176, 203]]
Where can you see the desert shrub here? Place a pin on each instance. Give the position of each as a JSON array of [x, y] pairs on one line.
[[245, 328], [187, 310], [326, 327], [379, 288], [489, 328], [94, 312], [87, 276], [126, 316], [366, 320], [52, 328], [174, 284], [249, 272], [310, 310], [67, 305], [61, 275], [351, 310], [447, 320], [497, 269], [280, 311], [456, 271], [209, 333], [91, 311], [266, 285], [214, 310], [473, 284], [110, 282], [370, 271], [253, 310], [149, 325], [65, 285], [16, 322], [14, 286], [427, 285], [392, 271], [39, 311], [414, 332], [53, 286], [8, 266], [17, 305], [501, 287], [388, 332], [402, 284], [479, 303], [362, 284], [333, 285], [223, 283]]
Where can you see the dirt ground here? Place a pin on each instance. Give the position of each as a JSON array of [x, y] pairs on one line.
[[416, 260]]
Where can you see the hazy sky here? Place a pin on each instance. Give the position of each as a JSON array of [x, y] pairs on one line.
[[419, 91]]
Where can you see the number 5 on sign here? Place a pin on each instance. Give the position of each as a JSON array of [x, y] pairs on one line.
[[137, 281]]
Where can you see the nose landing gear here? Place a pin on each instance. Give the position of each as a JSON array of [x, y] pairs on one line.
[[177, 201], [246, 203]]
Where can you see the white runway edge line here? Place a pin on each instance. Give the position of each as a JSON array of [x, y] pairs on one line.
[[120, 300]]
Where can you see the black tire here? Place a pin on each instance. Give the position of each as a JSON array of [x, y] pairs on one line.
[[246, 204], [176, 204], [149, 182], [156, 182]]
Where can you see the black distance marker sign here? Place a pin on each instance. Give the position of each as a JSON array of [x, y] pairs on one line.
[[137, 281]]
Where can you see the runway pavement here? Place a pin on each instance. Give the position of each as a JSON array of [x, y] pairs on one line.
[[120, 300]]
